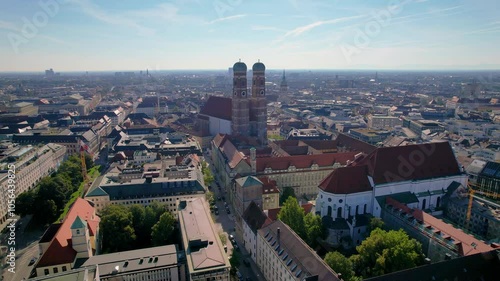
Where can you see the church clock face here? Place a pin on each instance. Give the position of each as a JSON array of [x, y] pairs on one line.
[[243, 93], [262, 92]]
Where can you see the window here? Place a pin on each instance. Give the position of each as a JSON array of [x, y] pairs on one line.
[[78, 232], [46, 271], [64, 268], [55, 270]]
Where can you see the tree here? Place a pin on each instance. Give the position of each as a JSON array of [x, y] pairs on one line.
[[375, 223], [45, 211], [25, 203], [138, 215], [209, 195], [385, 252], [293, 215], [208, 178], [223, 238], [162, 230], [287, 192], [340, 264], [116, 225], [235, 262], [313, 229]]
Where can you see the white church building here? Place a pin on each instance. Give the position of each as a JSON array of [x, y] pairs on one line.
[[416, 175]]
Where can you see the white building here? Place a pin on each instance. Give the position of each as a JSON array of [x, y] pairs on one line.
[[282, 255], [253, 220], [419, 175], [28, 165]]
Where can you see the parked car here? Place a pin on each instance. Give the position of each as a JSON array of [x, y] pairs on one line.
[[218, 198], [216, 212], [227, 211], [238, 274]]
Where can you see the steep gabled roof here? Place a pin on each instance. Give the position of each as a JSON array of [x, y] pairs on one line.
[[60, 250], [255, 217], [347, 180], [219, 107], [411, 162], [248, 181]]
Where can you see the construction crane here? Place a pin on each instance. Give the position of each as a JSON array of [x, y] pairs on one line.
[[473, 191], [84, 148]]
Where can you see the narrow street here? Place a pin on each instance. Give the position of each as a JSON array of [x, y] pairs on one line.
[[226, 223]]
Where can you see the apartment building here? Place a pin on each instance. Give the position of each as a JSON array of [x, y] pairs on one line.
[[32, 163], [282, 255], [205, 255]]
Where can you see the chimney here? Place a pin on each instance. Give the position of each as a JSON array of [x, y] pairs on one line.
[[278, 235]]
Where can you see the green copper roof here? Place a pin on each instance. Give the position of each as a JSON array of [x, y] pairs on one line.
[[97, 192], [78, 223], [248, 181]]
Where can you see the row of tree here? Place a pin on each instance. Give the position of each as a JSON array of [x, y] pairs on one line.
[[381, 253], [47, 200], [134, 227], [308, 227], [208, 177]]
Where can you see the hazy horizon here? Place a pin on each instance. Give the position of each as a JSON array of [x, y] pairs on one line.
[[90, 35]]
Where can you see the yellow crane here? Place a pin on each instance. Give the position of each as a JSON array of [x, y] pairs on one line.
[[473, 191]]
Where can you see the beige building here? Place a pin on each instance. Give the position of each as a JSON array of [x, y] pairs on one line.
[[205, 255], [76, 238], [29, 164], [247, 189], [152, 264], [270, 194], [383, 122]]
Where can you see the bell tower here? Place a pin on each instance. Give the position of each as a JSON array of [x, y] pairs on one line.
[[240, 101], [259, 103]]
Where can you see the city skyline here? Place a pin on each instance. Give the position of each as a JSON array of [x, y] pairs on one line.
[[84, 35]]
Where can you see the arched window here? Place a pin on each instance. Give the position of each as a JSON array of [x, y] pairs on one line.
[[438, 201], [339, 212], [357, 209], [364, 208], [329, 211], [424, 202]]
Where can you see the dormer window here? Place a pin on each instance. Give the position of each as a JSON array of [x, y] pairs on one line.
[[78, 232]]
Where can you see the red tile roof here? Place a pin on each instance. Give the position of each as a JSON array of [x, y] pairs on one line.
[[219, 139], [304, 161], [219, 107], [232, 154], [467, 244], [411, 162], [60, 250], [268, 185], [346, 180]]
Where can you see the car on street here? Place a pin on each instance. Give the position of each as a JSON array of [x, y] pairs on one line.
[[227, 211], [218, 198], [231, 237], [238, 274], [223, 198], [216, 212]]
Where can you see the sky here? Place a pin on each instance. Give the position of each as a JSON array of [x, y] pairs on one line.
[[101, 35]]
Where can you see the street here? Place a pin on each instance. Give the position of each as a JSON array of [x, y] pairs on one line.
[[26, 249], [225, 222]]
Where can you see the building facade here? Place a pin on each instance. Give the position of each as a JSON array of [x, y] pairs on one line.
[[282, 255], [28, 165]]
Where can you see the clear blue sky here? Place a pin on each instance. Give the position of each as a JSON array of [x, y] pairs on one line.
[[213, 34]]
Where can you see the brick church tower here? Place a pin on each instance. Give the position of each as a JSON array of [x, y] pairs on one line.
[[259, 104], [240, 101]]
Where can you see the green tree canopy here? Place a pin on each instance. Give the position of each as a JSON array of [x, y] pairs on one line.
[[375, 223], [313, 229], [163, 229], [293, 215], [116, 225], [340, 264], [235, 261], [287, 192], [24, 203], [385, 252]]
